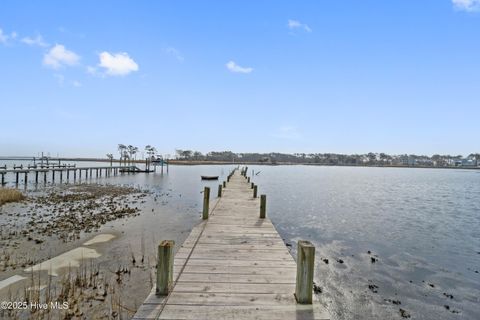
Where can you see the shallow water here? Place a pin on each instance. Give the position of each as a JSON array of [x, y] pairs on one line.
[[421, 224]]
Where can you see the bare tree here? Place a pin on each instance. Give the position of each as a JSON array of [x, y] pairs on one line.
[[121, 150], [110, 156]]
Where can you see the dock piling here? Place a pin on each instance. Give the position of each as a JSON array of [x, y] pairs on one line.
[[206, 202], [263, 206], [305, 268], [165, 267], [224, 184], [255, 190], [219, 190]]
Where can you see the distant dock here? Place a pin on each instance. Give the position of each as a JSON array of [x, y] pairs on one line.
[[233, 265], [61, 173]]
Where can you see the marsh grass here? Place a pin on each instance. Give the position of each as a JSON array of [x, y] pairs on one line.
[[10, 195]]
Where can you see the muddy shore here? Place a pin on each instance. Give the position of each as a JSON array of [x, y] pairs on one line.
[[82, 245]]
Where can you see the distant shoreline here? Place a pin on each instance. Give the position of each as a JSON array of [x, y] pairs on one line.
[[257, 163], [200, 162]]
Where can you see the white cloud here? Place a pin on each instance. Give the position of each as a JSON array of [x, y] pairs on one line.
[[3, 37], [77, 84], [37, 41], [233, 67], [58, 56], [295, 24], [175, 53], [117, 64], [467, 5]]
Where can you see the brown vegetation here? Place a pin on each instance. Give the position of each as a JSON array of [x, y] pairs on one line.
[[10, 195]]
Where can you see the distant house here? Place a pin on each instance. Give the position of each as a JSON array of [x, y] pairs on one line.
[[469, 162]]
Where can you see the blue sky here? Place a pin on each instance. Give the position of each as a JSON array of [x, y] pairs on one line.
[[79, 77]]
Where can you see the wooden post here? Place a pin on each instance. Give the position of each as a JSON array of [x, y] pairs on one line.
[[224, 184], [219, 190], [36, 176], [3, 179], [251, 186], [45, 177], [255, 189], [206, 202], [53, 175], [263, 206], [305, 267], [25, 179], [16, 179], [74, 174], [165, 267], [248, 179], [61, 175]]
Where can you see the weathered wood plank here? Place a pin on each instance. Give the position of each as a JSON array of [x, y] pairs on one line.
[[230, 299], [238, 278], [290, 311], [236, 263], [221, 287], [239, 270]]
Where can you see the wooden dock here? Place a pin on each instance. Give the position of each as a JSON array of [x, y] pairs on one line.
[[66, 170], [233, 265]]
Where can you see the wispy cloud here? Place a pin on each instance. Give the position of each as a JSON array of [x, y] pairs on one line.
[[287, 133], [233, 67], [4, 38], [58, 56], [295, 25], [37, 41], [466, 5], [171, 51], [117, 64], [76, 84]]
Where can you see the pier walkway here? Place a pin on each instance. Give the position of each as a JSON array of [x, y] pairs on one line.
[[232, 266]]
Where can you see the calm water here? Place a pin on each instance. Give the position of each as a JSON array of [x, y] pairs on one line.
[[423, 226]]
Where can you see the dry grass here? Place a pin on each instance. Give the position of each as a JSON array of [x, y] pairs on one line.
[[10, 195]]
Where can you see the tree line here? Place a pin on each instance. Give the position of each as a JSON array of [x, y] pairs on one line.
[[370, 158]]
